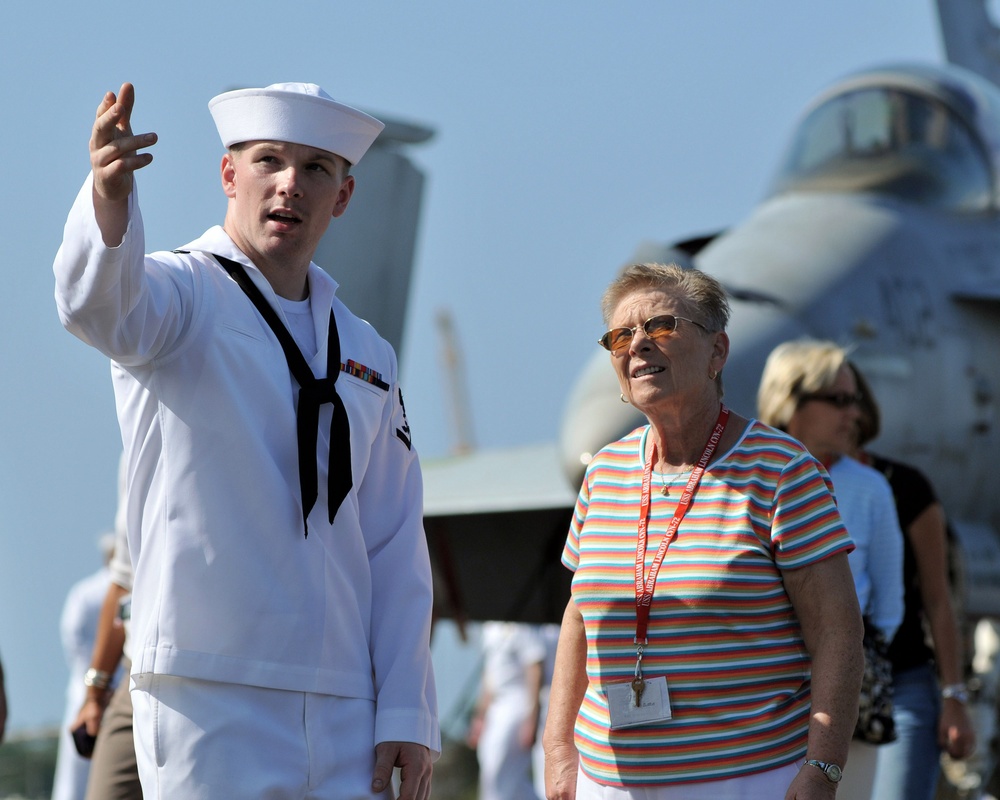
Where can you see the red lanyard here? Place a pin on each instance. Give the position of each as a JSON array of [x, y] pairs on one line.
[[644, 589]]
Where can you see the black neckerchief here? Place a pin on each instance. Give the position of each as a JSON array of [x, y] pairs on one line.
[[313, 392]]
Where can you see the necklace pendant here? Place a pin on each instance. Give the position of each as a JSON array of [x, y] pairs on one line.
[[665, 490]]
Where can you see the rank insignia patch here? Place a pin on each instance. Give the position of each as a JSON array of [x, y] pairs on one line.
[[403, 433]]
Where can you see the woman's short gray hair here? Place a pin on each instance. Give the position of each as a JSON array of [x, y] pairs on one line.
[[698, 291], [794, 369]]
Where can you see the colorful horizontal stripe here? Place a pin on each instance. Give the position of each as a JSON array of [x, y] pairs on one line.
[[722, 629]]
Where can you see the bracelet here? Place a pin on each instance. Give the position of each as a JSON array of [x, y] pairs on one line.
[[97, 678], [955, 691]]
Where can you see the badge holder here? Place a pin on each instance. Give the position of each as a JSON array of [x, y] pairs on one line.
[[639, 701]]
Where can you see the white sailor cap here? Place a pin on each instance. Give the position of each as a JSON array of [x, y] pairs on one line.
[[300, 113]]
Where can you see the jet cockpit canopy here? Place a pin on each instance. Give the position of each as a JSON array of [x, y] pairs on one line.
[[929, 135]]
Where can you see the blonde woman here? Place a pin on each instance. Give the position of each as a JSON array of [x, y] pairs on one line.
[[808, 390]]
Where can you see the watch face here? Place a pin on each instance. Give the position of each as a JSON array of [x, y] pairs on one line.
[[832, 771]]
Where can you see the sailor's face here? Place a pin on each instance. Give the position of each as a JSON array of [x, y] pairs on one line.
[[282, 198]]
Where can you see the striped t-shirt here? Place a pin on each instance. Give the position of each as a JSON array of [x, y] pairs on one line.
[[722, 629]]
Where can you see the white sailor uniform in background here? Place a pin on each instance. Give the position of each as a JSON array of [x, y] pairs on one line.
[[77, 628], [508, 769]]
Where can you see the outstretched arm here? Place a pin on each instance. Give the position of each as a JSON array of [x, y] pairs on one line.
[[113, 159]]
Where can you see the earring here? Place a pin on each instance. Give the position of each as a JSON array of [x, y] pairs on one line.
[[713, 375], [622, 397]]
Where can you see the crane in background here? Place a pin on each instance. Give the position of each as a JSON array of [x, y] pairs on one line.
[[456, 388]]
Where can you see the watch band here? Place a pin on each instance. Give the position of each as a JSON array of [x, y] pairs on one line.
[[832, 771], [97, 678], [955, 691]]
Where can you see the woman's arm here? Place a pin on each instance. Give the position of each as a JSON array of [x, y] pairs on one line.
[[826, 605], [109, 643], [569, 684], [928, 538]]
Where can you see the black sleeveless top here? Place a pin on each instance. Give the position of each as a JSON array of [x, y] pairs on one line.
[[914, 495]]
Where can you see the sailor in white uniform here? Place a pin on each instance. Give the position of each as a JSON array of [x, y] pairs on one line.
[[282, 594]]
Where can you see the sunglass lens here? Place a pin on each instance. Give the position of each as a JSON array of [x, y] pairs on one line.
[[620, 338], [616, 339], [840, 400], [660, 326]]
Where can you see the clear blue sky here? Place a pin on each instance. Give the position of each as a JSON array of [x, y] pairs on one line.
[[568, 131]]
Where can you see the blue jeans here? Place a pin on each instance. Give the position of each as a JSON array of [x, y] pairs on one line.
[[908, 769]]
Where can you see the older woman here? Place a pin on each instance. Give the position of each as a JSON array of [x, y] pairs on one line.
[[723, 660], [809, 390]]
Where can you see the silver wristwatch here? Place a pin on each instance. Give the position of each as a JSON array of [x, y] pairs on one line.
[[832, 771], [97, 678], [955, 691]]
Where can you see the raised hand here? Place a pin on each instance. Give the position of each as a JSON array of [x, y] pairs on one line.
[[113, 159], [113, 146]]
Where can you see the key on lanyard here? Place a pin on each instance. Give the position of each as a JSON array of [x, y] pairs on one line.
[[638, 684]]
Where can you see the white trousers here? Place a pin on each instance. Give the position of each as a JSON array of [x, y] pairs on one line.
[[505, 763], [770, 785], [203, 740]]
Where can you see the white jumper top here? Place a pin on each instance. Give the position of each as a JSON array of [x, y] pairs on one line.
[[226, 586]]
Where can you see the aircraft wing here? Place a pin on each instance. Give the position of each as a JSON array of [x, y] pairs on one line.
[[496, 523]]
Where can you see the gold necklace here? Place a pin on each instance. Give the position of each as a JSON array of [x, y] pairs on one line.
[[674, 480]]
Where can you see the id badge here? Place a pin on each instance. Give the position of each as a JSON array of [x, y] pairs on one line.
[[654, 704]]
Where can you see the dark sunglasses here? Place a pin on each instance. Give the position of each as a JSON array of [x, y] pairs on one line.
[[617, 339], [837, 399]]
